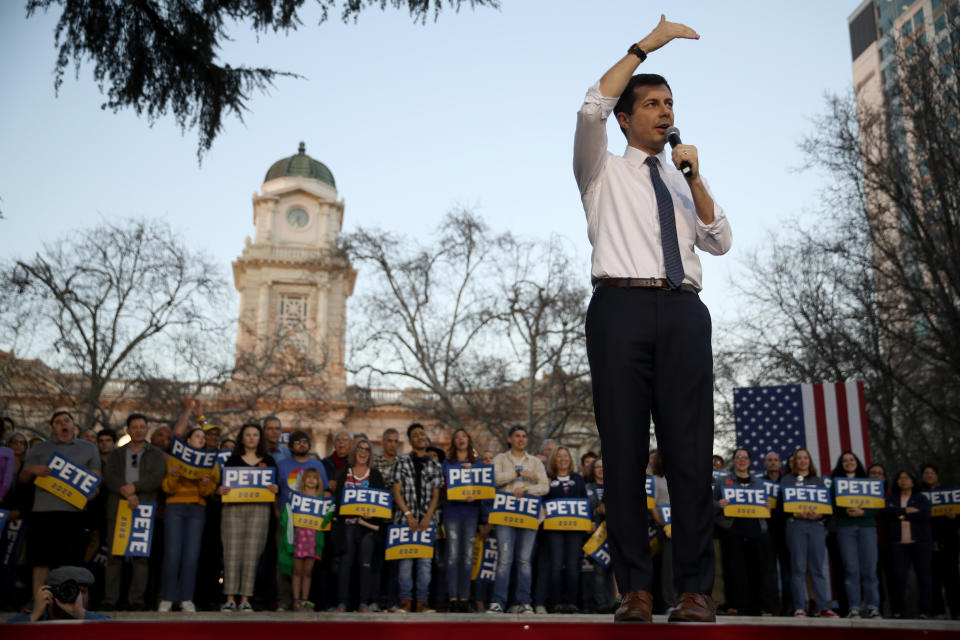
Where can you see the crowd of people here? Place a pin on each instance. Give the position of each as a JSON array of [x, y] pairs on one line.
[[210, 554]]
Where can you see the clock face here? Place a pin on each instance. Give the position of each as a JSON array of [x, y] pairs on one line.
[[297, 218]]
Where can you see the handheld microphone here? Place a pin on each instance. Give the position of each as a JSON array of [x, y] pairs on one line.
[[673, 137]]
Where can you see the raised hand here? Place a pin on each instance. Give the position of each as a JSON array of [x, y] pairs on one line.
[[664, 32]]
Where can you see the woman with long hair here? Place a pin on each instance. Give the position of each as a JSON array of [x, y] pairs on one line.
[[946, 552], [460, 519], [857, 539], [184, 518], [806, 540], [244, 524], [564, 546], [911, 541], [599, 597], [355, 538]]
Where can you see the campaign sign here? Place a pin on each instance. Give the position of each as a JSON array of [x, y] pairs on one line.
[[309, 512], [719, 475], [943, 501], [366, 503], [484, 560], [194, 463], [597, 548], [773, 492], [667, 520], [801, 498], [134, 530], [653, 537], [249, 484], [404, 543], [745, 502], [69, 481], [475, 482], [223, 455], [509, 510], [651, 488], [866, 493], [567, 514]]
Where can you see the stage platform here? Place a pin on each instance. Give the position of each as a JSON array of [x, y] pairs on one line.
[[435, 626]]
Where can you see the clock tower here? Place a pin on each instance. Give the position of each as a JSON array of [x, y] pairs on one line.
[[294, 278]]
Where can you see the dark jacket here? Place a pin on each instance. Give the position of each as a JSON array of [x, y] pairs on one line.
[[920, 529], [339, 524], [153, 466]]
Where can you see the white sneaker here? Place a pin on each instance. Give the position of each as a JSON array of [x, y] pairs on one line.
[[186, 606], [245, 606], [541, 609], [525, 608], [165, 606], [495, 607]]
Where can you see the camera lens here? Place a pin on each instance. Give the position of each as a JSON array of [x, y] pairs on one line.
[[66, 591]]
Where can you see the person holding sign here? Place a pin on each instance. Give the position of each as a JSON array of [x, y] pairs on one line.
[[806, 538], [564, 545], [308, 546], [244, 524], [519, 473], [184, 518], [743, 539], [945, 550], [55, 526], [911, 541], [601, 589], [857, 538], [356, 538], [460, 519]]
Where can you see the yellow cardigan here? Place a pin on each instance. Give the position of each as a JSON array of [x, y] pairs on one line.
[[186, 490]]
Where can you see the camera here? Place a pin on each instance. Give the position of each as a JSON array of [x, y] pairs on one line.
[[66, 592]]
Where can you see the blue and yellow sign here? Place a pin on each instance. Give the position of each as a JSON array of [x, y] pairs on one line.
[[133, 532], [511, 511], [484, 560], [249, 484], [773, 492], [567, 514], [866, 493], [653, 537], [366, 503], [404, 543], [665, 515], [71, 482], [801, 498], [745, 502], [943, 501], [223, 455], [651, 489], [597, 548], [475, 482], [309, 512], [194, 463]]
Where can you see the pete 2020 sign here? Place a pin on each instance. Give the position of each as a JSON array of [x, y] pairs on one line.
[[773, 492], [475, 482], [366, 503], [309, 512], [666, 516], [249, 484], [509, 510], [866, 493], [133, 533], [597, 548], [651, 488], [404, 543], [567, 514], [71, 482], [745, 502], [484, 560], [194, 463], [943, 501], [802, 498]]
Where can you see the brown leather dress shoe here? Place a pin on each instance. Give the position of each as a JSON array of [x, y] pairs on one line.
[[694, 607], [636, 606]]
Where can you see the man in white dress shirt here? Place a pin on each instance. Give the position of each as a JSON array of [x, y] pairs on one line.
[[648, 333]]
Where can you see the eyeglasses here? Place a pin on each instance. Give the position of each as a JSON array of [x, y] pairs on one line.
[[741, 457], [363, 448]]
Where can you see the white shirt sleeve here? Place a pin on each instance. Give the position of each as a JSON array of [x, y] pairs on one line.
[[590, 139]]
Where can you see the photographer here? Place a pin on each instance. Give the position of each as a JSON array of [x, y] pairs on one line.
[[64, 596]]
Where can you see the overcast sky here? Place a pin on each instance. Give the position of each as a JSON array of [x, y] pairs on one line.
[[477, 109]]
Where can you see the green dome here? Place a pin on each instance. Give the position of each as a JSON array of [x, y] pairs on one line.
[[301, 165]]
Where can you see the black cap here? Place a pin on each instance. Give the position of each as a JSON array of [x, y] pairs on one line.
[[77, 574]]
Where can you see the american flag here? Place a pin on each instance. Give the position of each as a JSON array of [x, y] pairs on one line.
[[825, 418]]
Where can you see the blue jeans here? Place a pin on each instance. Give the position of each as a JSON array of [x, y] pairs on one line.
[[461, 535], [564, 565], [858, 548], [807, 542], [513, 541], [405, 571], [182, 533]]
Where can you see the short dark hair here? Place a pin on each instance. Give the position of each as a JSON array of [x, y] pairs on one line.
[[387, 432], [629, 95], [415, 425], [136, 416], [515, 428], [299, 434], [110, 433], [269, 418], [61, 413]]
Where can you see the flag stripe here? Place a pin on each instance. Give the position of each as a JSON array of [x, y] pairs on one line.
[[842, 421], [861, 397], [820, 451], [832, 427], [809, 418], [853, 414]]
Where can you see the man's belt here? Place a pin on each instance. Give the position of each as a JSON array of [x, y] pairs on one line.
[[640, 283]]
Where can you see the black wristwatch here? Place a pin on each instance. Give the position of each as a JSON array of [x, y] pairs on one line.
[[637, 51]]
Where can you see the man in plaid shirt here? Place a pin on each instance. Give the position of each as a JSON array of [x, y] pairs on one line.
[[417, 480]]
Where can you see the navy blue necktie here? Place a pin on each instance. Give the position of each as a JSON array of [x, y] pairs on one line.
[[668, 226]]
